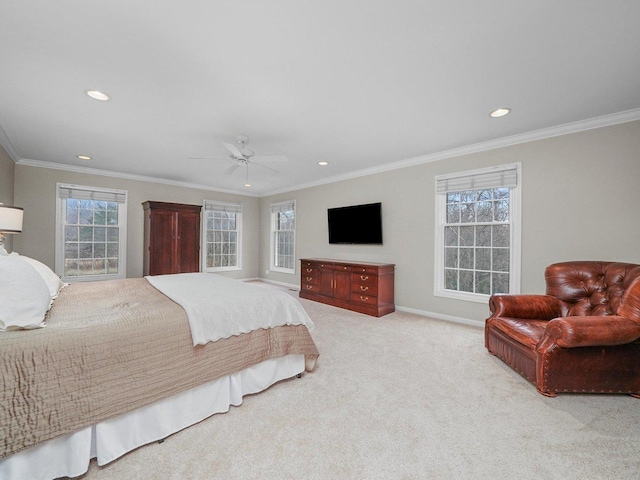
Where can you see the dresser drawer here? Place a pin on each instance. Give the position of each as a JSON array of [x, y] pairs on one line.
[[364, 279], [310, 278], [364, 298], [339, 267], [365, 269], [364, 289], [308, 270], [307, 287]]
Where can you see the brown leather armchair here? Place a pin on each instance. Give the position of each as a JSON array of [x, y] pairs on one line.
[[582, 336]]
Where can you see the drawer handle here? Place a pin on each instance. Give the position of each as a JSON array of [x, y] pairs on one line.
[[309, 270], [309, 279], [363, 288], [363, 298], [364, 277], [309, 287]]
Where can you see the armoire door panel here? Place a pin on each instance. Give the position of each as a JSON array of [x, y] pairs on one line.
[[162, 233], [189, 242]]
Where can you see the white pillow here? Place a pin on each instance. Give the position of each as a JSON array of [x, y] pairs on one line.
[[54, 284], [24, 296]]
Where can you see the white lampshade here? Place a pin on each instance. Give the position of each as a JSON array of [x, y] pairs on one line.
[[10, 219]]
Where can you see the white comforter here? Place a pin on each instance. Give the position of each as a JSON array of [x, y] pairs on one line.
[[220, 307]]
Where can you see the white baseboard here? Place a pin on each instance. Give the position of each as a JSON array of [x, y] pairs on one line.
[[441, 316]]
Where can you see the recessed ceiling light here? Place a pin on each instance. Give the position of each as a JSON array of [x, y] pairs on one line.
[[323, 163], [97, 95], [247, 184], [500, 112], [84, 157]]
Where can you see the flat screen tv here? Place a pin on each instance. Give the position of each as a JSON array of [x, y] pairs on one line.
[[357, 224]]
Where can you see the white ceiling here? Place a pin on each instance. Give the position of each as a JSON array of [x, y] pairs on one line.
[[360, 84]]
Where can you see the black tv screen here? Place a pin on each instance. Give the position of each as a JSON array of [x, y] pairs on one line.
[[357, 224]]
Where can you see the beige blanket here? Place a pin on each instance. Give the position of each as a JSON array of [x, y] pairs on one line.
[[109, 348]]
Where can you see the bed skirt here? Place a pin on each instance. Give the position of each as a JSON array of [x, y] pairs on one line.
[[69, 455]]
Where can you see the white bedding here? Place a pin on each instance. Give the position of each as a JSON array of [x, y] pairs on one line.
[[251, 307]]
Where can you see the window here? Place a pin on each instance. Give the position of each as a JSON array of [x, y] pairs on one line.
[[90, 233], [283, 232], [478, 233], [222, 236]]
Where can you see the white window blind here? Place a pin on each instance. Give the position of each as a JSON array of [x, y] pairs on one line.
[[279, 207], [80, 193], [506, 176], [223, 207]]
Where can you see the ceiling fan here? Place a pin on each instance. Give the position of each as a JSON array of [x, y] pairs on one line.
[[241, 156]]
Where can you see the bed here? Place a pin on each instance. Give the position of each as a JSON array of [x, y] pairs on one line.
[[118, 366]]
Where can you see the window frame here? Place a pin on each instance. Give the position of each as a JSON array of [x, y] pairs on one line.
[[273, 231], [221, 207], [61, 222], [515, 236]]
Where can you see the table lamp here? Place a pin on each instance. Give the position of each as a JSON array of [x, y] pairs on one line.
[[10, 222]]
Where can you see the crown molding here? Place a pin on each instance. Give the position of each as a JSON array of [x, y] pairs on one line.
[[126, 176], [564, 129], [8, 145]]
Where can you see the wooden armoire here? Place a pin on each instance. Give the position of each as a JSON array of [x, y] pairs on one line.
[[171, 238]]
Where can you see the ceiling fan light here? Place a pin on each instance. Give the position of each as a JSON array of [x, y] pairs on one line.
[[500, 112]]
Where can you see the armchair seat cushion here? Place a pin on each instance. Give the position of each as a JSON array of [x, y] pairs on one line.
[[527, 332]]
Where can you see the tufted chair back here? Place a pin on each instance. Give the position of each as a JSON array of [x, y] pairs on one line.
[[590, 288]]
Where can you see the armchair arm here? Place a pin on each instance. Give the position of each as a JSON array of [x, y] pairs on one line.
[[539, 307], [569, 332]]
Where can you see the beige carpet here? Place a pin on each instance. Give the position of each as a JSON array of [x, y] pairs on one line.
[[400, 397]]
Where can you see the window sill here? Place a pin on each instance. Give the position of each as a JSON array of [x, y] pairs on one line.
[[221, 269], [91, 278], [465, 296], [290, 271]]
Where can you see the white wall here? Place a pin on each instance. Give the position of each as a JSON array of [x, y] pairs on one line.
[[7, 168], [35, 191], [580, 194]]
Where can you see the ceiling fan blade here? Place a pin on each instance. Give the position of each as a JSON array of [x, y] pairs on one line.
[[231, 169], [234, 150], [272, 171], [271, 158], [207, 158]]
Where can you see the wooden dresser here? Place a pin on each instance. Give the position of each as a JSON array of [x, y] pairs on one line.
[[171, 238], [361, 287]]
